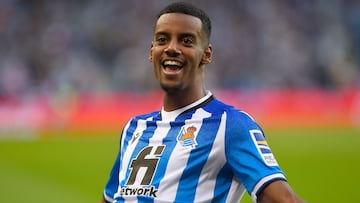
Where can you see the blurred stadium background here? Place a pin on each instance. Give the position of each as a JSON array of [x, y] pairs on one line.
[[72, 72]]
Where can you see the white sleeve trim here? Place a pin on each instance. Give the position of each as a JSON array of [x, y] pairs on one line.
[[264, 180], [107, 197]]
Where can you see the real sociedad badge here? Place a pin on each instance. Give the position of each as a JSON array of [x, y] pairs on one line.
[[187, 136]]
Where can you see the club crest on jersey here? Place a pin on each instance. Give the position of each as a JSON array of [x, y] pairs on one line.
[[187, 136], [263, 147]]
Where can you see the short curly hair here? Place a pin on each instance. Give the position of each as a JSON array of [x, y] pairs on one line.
[[189, 9]]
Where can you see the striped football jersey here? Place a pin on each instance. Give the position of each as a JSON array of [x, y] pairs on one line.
[[205, 152]]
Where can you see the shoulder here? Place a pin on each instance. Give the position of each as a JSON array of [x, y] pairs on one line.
[[146, 116], [238, 123], [240, 126], [234, 116], [133, 121], [240, 118]]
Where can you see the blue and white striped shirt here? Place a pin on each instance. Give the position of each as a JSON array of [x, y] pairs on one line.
[[205, 152]]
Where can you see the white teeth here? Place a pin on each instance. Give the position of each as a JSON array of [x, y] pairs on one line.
[[172, 63]]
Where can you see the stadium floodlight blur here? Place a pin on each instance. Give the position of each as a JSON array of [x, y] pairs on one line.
[[61, 49]]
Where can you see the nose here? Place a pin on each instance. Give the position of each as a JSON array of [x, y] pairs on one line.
[[172, 49]]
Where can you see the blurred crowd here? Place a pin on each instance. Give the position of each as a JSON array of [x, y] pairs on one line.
[[86, 46]]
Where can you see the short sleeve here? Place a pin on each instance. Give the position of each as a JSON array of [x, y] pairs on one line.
[[248, 153], [113, 181]]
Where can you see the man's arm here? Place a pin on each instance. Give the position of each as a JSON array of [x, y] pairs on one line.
[[278, 192], [103, 200]]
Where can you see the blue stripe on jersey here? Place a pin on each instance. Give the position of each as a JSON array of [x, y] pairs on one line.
[[129, 136], [124, 144], [113, 183], [207, 134], [222, 185], [170, 145]]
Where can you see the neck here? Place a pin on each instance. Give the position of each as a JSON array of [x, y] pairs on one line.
[[179, 99]]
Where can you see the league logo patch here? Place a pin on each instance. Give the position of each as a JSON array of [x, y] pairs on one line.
[[187, 136], [263, 147]]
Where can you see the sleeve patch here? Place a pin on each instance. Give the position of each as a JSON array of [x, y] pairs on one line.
[[263, 148]]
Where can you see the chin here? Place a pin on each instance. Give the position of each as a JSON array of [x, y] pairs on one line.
[[170, 89]]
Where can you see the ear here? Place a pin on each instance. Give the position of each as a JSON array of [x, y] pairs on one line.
[[207, 55], [151, 52]]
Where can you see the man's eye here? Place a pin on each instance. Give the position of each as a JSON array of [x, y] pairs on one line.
[[188, 41], [161, 40]]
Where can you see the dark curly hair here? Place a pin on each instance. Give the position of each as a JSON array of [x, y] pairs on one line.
[[189, 9]]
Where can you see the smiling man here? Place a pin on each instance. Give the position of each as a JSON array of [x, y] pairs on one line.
[[179, 52], [196, 148]]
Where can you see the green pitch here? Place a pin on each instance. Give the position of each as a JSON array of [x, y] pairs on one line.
[[321, 166]]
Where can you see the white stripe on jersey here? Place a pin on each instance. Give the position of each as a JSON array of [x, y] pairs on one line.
[[141, 126], [160, 133], [167, 188], [216, 158], [236, 191]]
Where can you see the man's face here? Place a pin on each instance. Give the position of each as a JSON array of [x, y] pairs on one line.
[[179, 52]]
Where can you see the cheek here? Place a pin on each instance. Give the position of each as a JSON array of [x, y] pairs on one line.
[[152, 53], [198, 61], [155, 55], [156, 70]]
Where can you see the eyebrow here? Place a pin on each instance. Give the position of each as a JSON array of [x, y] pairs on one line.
[[182, 35], [192, 35]]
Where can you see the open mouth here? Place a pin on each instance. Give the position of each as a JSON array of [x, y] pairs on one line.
[[172, 66]]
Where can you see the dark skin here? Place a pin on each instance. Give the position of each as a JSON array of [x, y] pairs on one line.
[[179, 53], [179, 37]]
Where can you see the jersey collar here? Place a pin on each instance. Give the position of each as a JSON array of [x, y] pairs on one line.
[[171, 115]]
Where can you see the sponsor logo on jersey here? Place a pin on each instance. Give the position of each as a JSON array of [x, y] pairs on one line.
[[263, 147], [142, 171], [128, 191], [187, 136]]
